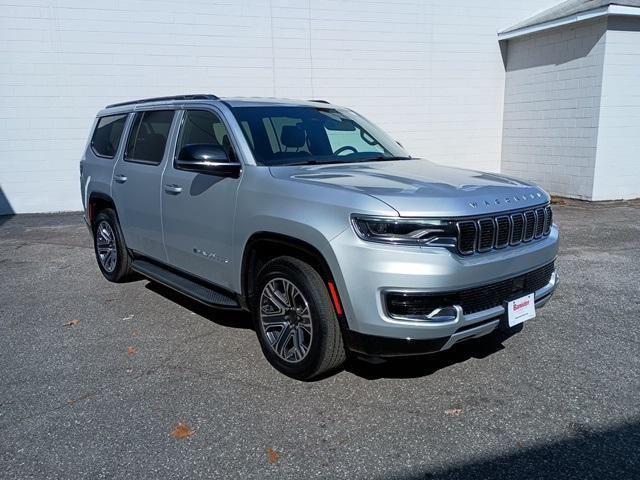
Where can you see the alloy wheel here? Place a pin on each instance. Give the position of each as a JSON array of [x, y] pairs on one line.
[[285, 320], [106, 246]]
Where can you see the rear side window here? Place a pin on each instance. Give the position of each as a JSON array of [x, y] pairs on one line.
[[148, 137], [106, 136]]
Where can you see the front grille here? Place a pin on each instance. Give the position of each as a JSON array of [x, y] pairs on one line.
[[467, 237], [485, 238], [472, 300], [484, 234], [548, 220], [539, 222], [517, 221], [529, 225], [502, 233]]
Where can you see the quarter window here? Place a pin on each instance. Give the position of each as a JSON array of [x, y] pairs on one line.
[[106, 136], [148, 137]]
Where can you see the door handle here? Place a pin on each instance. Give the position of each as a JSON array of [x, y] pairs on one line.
[[120, 178], [173, 189]]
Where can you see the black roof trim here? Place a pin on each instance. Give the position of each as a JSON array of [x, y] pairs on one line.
[[166, 99]]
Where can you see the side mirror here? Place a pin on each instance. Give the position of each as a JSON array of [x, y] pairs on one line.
[[207, 159]]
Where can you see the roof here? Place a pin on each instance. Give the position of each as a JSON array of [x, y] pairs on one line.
[[571, 11]]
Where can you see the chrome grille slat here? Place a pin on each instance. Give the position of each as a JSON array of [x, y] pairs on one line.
[[503, 230], [500, 231], [539, 222], [486, 233], [548, 220], [467, 233], [517, 224], [529, 225]]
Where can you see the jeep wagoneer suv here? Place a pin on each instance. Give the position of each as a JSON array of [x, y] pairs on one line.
[[316, 221]]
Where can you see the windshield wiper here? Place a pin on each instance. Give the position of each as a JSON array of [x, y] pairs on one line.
[[381, 158], [293, 164], [316, 162]]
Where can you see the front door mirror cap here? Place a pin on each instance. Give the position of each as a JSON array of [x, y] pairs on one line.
[[207, 159]]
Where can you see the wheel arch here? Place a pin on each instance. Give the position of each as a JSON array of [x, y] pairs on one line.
[[264, 246], [98, 201]]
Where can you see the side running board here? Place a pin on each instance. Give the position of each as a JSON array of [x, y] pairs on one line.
[[192, 288]]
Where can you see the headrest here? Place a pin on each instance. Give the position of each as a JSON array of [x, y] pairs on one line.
[[293, 136]]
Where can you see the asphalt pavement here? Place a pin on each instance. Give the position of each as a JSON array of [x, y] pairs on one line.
[[99, 380]]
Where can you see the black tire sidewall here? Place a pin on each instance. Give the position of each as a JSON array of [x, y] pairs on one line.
[[320, 307]]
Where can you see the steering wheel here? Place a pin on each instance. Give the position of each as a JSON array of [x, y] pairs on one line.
[[344, 149]]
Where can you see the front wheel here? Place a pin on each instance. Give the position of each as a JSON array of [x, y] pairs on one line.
[[295, 320]]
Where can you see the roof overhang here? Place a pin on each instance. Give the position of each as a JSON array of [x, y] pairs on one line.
[[568, 20]]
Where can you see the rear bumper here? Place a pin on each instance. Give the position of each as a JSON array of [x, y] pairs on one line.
[[470, 326]]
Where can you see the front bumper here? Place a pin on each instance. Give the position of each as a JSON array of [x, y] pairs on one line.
[[469, 326], [368, 271]]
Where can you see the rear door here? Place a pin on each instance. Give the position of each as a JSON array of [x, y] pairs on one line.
[[198, 210], [137, 178]]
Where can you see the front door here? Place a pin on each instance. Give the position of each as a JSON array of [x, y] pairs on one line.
[[137, 179], [198, 209]]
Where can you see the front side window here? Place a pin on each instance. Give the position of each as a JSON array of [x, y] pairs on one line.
[[148, 137], [313, 135], [203, 127], [106, 136]]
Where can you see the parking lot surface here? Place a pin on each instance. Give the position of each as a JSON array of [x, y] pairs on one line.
[[96, 378]]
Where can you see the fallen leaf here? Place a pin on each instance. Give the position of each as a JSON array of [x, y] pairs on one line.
[[181, 432], [135, 333], [131, 351], [273, 456], [454, 412], [72, 323]]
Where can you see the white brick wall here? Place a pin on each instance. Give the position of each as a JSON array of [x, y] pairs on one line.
[[430, 71], [551, 107], [617, 167]]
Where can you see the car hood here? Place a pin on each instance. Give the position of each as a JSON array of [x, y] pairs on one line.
[[419, 188]]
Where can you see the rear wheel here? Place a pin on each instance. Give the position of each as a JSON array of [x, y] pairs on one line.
[[295, 320], [110, 249]]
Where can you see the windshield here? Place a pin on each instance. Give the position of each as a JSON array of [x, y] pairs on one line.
[[310, 135]]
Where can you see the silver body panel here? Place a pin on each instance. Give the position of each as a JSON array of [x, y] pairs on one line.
[[198, 217], [204, 229]]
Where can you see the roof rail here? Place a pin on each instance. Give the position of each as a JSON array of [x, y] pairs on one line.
[[319, 101], [197, 96]]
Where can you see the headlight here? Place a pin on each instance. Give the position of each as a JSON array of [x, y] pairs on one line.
[[406, 231]]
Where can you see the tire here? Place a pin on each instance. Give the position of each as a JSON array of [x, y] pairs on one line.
[[106, 225], [313, 322]]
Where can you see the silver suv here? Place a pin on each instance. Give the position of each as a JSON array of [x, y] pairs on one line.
[[316, 221]]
